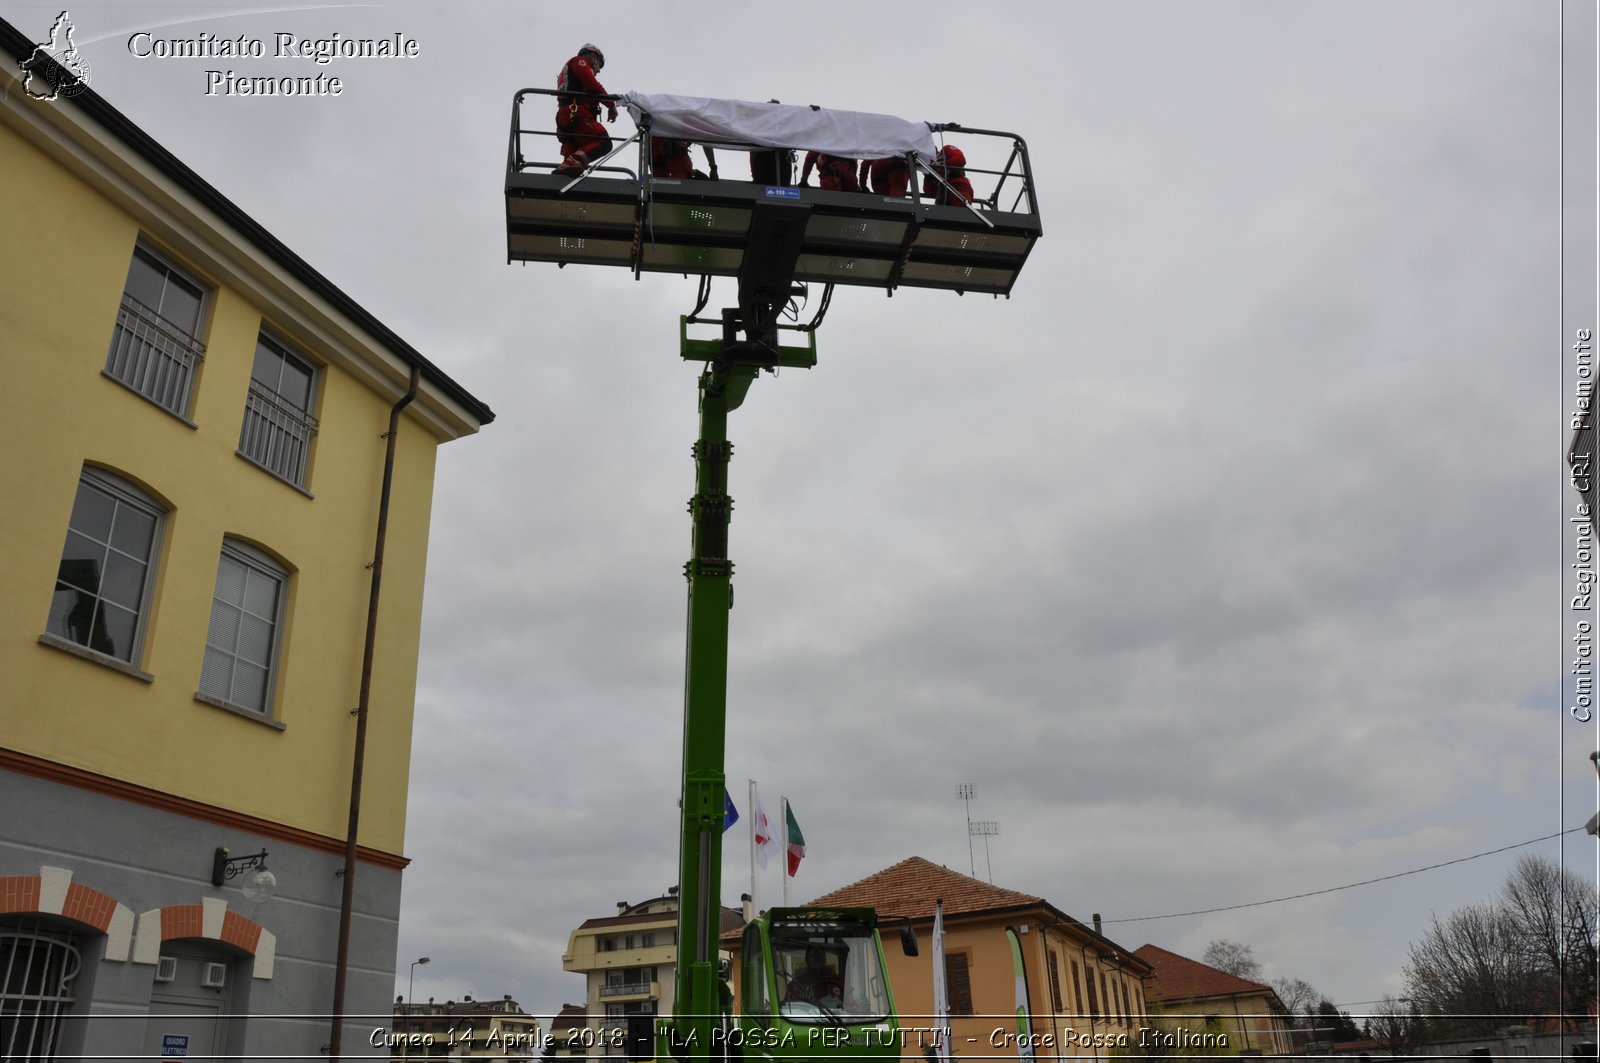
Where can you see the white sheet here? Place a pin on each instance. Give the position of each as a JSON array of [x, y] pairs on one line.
[[850, 134]]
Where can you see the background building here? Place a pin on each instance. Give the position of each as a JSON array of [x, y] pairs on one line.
[[465, 1029], [1084, 990], [627, 961], [196, 467], [1203, 999]]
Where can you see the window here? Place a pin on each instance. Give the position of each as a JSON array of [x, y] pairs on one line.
[[156, 349], [1094, 1001], [278, 425], [38, 969], [103, 585], [242, 641], [1055, 982], [753, 973], [958, 982], [1077, 989]]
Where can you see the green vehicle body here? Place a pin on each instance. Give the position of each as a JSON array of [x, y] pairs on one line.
[[790, 1010]]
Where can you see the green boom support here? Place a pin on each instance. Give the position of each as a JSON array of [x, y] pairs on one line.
[[749, 343]]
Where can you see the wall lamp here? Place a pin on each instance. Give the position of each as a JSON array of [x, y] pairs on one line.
[[257, 886]]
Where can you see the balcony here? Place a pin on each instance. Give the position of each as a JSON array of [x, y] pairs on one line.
[[630, 990], [153, 357]]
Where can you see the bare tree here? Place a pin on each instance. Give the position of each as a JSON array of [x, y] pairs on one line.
[[1466, 971], [1298, 996], [1554, 912], [1394, 1025], [1233, 957], [1529, 952], [1300, 1000]]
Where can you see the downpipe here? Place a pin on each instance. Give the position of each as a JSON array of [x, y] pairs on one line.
[[347, 903]]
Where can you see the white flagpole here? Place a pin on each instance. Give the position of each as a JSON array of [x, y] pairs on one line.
[[783, 851], [941, 992], [755, 899]]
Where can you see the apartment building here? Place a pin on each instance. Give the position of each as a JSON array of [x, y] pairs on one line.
[[200, 455], [628, 962]]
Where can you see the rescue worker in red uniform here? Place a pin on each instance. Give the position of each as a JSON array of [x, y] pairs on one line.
[[669, 159], [583, 138], [886, 177], [949, 163], [833, 173]]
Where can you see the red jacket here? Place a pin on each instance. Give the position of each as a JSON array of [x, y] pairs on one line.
[[578, 76], [887, 177], [960, 190], [833, 173]]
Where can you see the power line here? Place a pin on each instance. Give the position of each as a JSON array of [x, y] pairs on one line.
[[1347, 886]]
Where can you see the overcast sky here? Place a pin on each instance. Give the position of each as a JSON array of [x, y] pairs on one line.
[[1223, 560]]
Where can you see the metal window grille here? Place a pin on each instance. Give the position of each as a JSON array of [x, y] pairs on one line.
[[153, 357], [37, 972], [276, 436]]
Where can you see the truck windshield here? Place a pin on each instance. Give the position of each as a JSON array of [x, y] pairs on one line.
[[828, 975]]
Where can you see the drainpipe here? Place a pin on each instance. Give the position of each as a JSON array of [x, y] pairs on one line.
[[347, 903]]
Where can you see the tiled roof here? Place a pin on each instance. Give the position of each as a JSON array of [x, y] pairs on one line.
[[910, 887], [1180, 978]]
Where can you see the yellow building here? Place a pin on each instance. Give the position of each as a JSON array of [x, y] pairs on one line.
[[1084, 992], [1242, 1016], [628, 963], [196, 468]]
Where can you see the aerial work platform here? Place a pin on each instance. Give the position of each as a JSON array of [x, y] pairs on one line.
[[617, 214]]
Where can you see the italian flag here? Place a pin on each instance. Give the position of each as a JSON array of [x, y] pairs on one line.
[[797, 841]]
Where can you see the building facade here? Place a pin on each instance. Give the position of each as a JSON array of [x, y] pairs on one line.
[[1243, 1016], [1085, 994], [465, 1029], [628, 962], [198, 464]]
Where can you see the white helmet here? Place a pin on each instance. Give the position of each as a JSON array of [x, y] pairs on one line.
[[599, 56]]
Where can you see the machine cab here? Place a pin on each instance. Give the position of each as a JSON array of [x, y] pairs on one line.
[[813, 983]]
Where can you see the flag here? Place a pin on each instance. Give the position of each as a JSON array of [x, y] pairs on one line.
[[1020, 977], [730, 815], [762, 835], [797, 841], [941, 993]]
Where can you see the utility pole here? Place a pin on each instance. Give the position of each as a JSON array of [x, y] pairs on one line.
[[966, 793]]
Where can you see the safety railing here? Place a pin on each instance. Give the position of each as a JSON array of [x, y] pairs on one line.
[[997, 161], [615, 212]]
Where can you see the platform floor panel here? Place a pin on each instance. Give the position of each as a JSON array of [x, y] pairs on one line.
[[703, 228]]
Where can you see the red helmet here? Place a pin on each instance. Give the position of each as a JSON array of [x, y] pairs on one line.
[[950, 156]]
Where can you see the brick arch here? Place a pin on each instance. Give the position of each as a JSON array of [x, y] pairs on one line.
[[209, 920], [188, 921], [52, 892]]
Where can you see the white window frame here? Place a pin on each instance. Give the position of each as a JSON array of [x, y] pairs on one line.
[[275, 434], [122, 494], [151, 355], [262, 565]]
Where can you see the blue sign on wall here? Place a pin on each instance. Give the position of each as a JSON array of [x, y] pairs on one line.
[[783, 193], [174, 1046]]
